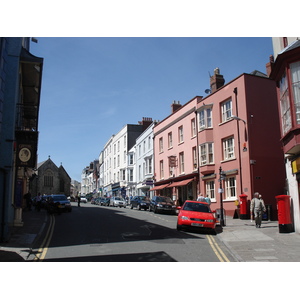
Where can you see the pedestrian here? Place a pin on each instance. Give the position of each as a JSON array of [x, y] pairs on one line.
[[28, 199], [78, 201], [257, 207], [207, 199], [201, 198], [38, 202]]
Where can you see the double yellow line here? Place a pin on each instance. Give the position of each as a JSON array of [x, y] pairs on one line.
[[45, 244], [218, 251]]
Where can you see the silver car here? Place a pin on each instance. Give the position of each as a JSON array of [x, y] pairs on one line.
[[117, 201]]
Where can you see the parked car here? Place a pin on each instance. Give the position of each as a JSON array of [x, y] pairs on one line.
[[94, 200], [83, 200], [162, 204], [195, 214], [104, 201], [140, 202], [117, 201], [57, 203], [97, 201]]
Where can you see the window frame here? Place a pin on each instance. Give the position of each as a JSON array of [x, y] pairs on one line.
[[230, 189], [205, 118], [226, 110], [208, 153], [181, 163], [210, 188], [228, 154], [180, 134]]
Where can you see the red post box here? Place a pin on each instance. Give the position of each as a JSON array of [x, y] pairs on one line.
[[284, 214], [243, 207]]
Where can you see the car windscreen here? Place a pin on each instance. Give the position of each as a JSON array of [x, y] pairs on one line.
[[196, 207], [59, 198], [164, 199]]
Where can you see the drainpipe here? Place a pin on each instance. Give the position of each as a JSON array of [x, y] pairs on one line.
[[239, 142], [197, 152]]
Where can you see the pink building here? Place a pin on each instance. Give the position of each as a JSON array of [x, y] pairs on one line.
[[234, 128], [175, 153], [238, 131]]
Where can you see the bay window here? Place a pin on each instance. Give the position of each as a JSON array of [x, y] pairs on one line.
[[295, 76]]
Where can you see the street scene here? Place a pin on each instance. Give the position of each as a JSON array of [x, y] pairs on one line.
[[95, 233]]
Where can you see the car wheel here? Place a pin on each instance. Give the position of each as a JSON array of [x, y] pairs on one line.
[[213, 232], [179, 227]]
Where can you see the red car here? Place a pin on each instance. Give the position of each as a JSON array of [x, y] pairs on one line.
[[195, 214]]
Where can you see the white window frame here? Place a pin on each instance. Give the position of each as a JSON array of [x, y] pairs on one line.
[[194, 155], [295, 80], [181, 162], [211, 190], [180, 134], [230, 188], [193, 127], [161, 169], [170, 140], [226, 110], [206, 152], [285, 105], [205, 118], [161, 145], [228, 148]]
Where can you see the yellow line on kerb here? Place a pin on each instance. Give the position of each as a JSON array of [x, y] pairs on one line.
[[220, 254], [45, 244]]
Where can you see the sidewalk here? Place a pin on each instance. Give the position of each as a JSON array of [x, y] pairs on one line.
[[246, 242], [24, 239], [250, 244]]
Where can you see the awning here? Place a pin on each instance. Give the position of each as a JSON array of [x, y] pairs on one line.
[[160, 187], [181, 183]]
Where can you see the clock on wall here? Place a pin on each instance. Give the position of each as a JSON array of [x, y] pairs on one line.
[[24, 154]]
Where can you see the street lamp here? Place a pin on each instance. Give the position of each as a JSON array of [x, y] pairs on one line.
[[238, 119], [222, 177]]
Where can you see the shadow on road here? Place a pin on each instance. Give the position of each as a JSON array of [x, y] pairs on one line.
[[131, 257]]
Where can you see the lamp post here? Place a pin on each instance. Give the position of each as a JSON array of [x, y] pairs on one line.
[[222, 177]]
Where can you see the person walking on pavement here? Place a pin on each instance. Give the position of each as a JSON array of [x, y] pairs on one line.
[[38, 202], [201, 198], [78, 200], [257, 206], [28, 199], [207, 199]]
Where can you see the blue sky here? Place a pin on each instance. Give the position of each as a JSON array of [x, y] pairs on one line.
[[92, 87]]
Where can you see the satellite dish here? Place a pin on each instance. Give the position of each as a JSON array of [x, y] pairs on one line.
[[207, 91]]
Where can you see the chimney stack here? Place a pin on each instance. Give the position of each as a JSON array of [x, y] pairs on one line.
[[146, 122], [270, 65], [216, 81], [175, 106]]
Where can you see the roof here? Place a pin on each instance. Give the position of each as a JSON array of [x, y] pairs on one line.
[[290, 47]]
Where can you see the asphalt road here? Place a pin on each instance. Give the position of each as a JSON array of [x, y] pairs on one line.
[[93, 233]]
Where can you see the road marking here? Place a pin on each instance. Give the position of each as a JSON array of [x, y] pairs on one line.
[[218, 251], [45, 244]]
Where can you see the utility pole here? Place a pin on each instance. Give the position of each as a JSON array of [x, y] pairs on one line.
[[222, 177]]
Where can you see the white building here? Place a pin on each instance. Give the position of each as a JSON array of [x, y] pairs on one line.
[[117, 171], [144, 162]]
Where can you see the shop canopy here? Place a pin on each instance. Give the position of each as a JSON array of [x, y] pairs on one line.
[[181, 183], [160, 187]]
